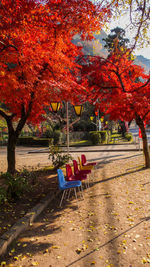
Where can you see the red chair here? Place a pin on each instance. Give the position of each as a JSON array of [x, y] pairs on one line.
[[84, 161], [77, 177], [79, 172], [71, 177]]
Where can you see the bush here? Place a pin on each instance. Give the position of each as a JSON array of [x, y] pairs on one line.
[[105, 136], [95, 137], [56, 137], [58, 157], [48, 133], [32, 141], [129, 136], [16, 184], [3, 195]]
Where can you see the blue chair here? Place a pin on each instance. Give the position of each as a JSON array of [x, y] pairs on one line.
[[65, 185]]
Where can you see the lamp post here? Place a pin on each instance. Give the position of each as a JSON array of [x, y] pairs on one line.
[[97, 118], [78, 110]]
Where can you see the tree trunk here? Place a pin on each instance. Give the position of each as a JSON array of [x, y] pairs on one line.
[[11, 159], [140, 123]]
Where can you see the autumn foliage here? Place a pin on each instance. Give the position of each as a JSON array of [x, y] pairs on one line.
[[37, 57], [120, 88]]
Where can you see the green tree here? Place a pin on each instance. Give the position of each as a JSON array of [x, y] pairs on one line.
[[116, 37]]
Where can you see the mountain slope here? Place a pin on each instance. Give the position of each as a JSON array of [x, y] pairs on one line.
[[96, 47]]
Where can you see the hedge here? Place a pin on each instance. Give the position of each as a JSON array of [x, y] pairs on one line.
[[33, 141], [98, 137]]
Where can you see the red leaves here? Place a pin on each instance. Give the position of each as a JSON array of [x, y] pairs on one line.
[[36, 43], [120, 87]]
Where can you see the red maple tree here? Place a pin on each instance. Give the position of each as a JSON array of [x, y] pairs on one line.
[[120, 88], [38, 58]]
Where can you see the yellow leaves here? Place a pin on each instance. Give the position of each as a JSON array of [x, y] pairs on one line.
[[78, 250], [23, 257], [55, 247], [34, 263], [115, 214], [90, 213], [131, 202], [3, 263], [107, 196], [45, 251], [58, 257], [83, 248], [90, 240], [145, 260], [16, 258]]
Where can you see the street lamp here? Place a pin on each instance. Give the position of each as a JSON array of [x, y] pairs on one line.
[[78, 109], [55, 106], [91, 118]]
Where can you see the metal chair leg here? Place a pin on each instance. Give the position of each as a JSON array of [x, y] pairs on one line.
[[82, 191], [75, 193], [62, 198], [69, 193]]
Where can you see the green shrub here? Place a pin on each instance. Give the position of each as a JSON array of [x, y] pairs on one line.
[[57, 156], [3, 195], [105, 136], [129, 136], [95, 137], [48, 133], [32, 141], [16, 184], [56, 136]]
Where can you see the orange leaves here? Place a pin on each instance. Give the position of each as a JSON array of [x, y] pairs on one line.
[[36, 43]]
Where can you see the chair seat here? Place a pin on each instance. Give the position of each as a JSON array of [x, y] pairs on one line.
[[84, 172], [90, 164], [71, 184], [77, 177], [84, 161]]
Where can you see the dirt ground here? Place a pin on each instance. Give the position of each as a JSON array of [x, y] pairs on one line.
[[110, 227]]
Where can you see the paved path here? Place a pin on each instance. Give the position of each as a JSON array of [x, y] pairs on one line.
[[100, 232], [38, 156]]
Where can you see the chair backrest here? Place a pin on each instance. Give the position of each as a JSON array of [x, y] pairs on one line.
[[80, 164], [61, 179], [75, 166], [68, 171], [83, 159]]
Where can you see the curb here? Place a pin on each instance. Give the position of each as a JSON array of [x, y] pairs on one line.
[[7, 238], [90, 151]]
